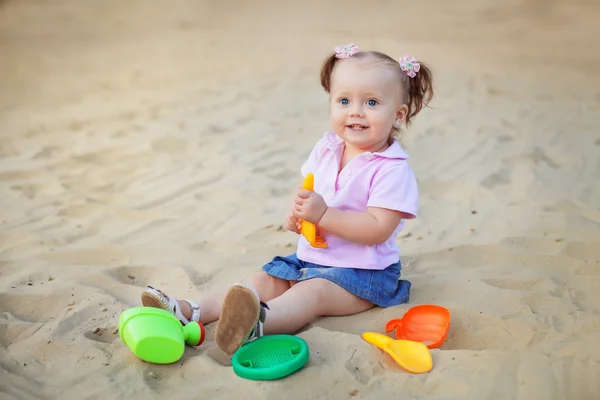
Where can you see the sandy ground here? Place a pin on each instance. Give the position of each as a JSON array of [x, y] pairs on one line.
[[156, 143]]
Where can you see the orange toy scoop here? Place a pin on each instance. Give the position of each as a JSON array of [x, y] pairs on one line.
[[428, 324], [309, 230]]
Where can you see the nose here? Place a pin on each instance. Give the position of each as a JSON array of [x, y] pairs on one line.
[[357, 110]]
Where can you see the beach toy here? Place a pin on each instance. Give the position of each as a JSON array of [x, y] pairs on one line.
[[270, 357], [412, 356], [308, 229], [428, 324], [156, 335]]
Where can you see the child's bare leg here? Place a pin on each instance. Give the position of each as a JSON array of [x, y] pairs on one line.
[[268, 287], [308, 300]]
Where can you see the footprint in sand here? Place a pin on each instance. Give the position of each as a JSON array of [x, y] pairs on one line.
[[360, 372], [103, 335], [556, 307], [363, 367], [550, 311], [134, 275], [153, 378], [201, 279], [550, 302]]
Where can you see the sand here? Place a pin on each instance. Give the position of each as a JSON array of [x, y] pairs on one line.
[[157, 142]]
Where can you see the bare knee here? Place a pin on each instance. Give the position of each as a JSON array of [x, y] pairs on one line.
[[268, 286], [316, 289], [262, 278]]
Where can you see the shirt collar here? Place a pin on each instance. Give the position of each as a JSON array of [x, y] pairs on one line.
[[395, 151]]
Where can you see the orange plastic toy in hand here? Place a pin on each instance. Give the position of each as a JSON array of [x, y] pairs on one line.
[[308, 229], [428, 324]]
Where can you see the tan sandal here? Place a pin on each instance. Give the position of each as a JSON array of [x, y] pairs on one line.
[[242, 318], [152, 297]]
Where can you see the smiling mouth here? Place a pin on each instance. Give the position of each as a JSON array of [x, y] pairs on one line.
[[356, 126]]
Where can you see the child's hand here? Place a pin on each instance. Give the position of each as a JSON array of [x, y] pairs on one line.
[[309, 206], [293, 223]]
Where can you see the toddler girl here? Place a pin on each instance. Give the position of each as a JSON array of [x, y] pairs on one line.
[[364, 190]]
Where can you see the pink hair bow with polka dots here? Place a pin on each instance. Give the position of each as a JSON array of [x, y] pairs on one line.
[[345, 50], [409, 65]]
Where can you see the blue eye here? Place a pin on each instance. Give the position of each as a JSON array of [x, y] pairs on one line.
[[372, 102], [344, 102]]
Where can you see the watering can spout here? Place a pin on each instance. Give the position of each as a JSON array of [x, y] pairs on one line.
[[194, 334]]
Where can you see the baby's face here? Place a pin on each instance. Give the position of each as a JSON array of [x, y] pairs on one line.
[[365, 101]]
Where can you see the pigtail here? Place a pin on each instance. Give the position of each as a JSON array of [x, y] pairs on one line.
[[326, 71], [419, 91]]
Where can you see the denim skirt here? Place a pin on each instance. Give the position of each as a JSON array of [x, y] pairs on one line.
[[383, 288]]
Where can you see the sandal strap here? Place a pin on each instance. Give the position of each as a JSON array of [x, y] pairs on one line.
[[258, 329], [172, 305], [195, 310]]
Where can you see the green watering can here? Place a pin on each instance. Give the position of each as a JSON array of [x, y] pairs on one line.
[[157, 336]]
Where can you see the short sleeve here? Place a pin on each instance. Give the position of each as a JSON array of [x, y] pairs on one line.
[[395, 188]]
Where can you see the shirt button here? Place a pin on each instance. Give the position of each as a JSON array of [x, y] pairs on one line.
[[347, 173]]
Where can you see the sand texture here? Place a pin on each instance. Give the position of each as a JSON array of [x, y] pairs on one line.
[[157, 143]]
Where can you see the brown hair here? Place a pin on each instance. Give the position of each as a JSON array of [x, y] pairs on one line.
[[417, 92]]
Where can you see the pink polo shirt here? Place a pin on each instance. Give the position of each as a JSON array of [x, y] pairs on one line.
[[382, 180]]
